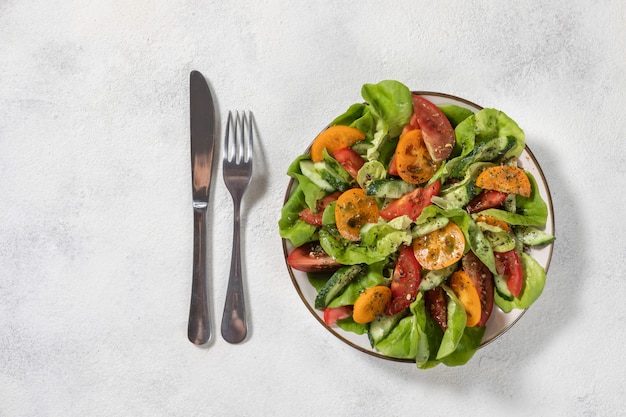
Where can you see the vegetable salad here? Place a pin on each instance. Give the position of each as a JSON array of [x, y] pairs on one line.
[[413, 222]]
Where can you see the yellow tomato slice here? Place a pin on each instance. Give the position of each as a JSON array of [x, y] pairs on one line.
[[354, 209], [440, 248], [505, 178], [371, 303], [413, 161], [467, 293], [334, 138], [492, 221]]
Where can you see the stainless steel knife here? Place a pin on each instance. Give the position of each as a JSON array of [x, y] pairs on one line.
[[203, 132]]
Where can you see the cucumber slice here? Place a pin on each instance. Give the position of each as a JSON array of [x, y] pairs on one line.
[[492, 150], [532, 236], [382, 326], [500, 241], [328, 176], [430, 225], [461, 193], [334, 173], [308, 169], [389, 188], [456, 196], [501, 288], [510, 203], [435, 278], [336, 284]]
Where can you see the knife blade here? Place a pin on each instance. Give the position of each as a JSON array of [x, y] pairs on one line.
[[203, 132]]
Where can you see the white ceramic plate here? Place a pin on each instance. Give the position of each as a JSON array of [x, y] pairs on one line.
[[499, 321]]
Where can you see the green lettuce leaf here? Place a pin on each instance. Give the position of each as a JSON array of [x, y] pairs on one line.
[[290, 226], [465, 133], [371, 171], [467, 347], [460, 347], [455, 114], [312, 192], [349, 325], [457, 318], [318, 281], [492, 123], [358, 116], [294, 167], [376, 244], [401, 342], [434, 334], [328, 217], [407, 340], [422, 348], [391, 105], [391, 102]]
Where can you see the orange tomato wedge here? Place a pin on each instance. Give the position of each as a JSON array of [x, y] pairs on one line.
[[492, 221], [505, 178], [334, 138], [371, 304], [354, 209], [440, 248], [413, 161], [466, 292]]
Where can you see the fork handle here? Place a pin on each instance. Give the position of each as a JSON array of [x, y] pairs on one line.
[[234, 322], [199, 327]]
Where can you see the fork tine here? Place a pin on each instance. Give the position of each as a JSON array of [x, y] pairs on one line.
[[238, 138], [241, 137], [249, 144], [227, 137]]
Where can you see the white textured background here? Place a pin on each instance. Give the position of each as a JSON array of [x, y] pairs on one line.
[[95, 210]]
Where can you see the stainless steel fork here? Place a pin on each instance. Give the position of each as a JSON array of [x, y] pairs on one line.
[[237, 169]]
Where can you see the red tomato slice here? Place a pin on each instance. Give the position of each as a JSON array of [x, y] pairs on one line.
[[508, 265], [482, 278], [405, 281], [349, 160], [316, 218], [332, 315], [311, 257], [436, 129], [411, 204], [485, 200], [437, 306]]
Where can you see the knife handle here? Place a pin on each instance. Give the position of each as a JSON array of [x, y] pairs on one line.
[[199, 327]]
